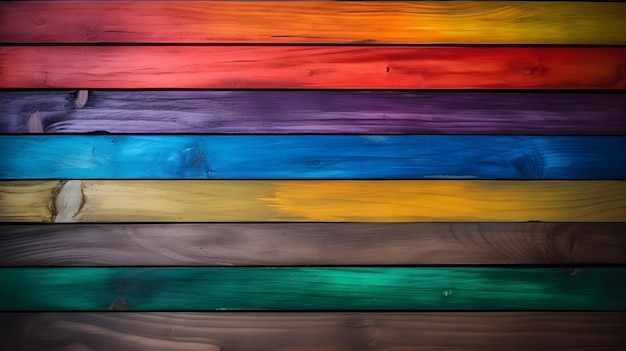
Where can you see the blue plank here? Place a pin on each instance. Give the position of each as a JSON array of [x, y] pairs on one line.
[[312, 157]]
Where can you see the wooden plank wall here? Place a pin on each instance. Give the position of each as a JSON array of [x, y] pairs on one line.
[[312, 175]]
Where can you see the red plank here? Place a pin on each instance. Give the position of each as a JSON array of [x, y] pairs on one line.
[[312, 67]]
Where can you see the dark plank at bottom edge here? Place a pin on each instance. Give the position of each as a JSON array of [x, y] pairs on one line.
[[313, 331], [236, 244]]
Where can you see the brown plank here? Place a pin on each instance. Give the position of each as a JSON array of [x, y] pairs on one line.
[[267, 67], [400, 22], [311, 244], [470, 331]]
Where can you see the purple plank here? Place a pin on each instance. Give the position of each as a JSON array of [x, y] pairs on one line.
[[365, 112]]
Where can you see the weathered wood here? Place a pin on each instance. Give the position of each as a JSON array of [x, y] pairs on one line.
[[310, 288], [470, 22], [306, 201], [311, 157], [468, 331], [267, 67], [299, 244], [312, 112]]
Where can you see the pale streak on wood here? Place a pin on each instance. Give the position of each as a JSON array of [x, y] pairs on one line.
[[383, 331], [135, 342], [69, 200], [81, 98], [30, 201], [34, 123], [301, 244]]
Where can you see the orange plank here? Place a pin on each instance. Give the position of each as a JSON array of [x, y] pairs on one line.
[[399, 22], [311, 67]]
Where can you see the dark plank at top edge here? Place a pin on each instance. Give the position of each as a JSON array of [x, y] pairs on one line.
[[315, 67], [311, 112], [236, 244], [468, 331], [371, 22]]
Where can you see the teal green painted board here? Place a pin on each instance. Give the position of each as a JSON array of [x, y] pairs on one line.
[[311, 288]]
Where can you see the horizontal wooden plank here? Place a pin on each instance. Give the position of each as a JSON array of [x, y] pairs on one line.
[[317, 201], [299, 244], [355, 67], [311, 157], [403, 22], [310, 288], [311, 112], [468, 331]]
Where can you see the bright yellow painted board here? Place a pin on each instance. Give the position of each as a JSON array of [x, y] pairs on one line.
[[331, 201]]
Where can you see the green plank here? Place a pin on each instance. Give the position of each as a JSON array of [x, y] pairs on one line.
[[311, 288]]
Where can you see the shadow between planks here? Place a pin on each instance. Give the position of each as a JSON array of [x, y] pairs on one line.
[[313, 112], [299, 244], [312, 201], [314, 67], [371, 22], [469, 331]]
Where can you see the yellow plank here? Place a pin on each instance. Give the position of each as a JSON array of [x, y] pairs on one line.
[[400, 22], [333, 201]]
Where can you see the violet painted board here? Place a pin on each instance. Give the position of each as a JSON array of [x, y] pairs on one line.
[[329, 112]]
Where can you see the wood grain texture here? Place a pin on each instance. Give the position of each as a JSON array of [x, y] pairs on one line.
[[317, 201], [311, 288], [267, 67], [426, 22], [467, 331], [313, 112], [300, 244], [312, 157]]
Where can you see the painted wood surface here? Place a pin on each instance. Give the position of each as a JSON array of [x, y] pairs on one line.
[[267, 67], [312, 157], [310, 288], [312, 112], [468, 331], [371, 22], [312, 201], [299, 244]]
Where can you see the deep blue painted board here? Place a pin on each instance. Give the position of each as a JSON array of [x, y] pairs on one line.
[[312, 157]]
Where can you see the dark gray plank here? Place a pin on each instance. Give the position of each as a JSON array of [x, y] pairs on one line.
[[253, 244], [469, 331]]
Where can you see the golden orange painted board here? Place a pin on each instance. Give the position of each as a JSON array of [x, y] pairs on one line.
[[319, 201], [265, 67], [399, 22]]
